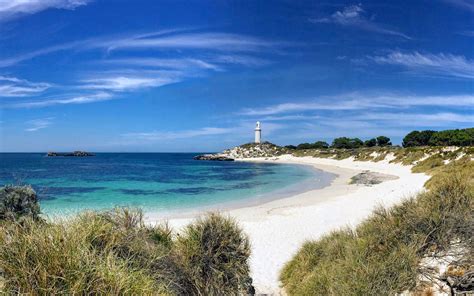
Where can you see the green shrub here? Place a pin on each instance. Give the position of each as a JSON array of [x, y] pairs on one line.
[[382, 255], [115, 253], [18, 203], [214, 255]]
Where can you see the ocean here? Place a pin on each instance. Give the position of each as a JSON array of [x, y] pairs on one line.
[[168, 183]]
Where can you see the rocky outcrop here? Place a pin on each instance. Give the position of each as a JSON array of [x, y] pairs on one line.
[[75, 154], [215, 157], [252, 150], [369, 178]]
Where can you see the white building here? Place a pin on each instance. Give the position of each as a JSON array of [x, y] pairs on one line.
[[258, 133]]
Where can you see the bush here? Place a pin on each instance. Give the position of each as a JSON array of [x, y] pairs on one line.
[[115, 253], [315, 145], [370, 143], [214, 255], [382, 255], [18, 203], [347, 143], [416, 138], [383, 141]]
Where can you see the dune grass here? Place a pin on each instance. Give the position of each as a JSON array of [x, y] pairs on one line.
[[114, 253], [383, 255]]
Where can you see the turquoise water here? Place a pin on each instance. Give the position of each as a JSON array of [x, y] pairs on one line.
[[155, 182]]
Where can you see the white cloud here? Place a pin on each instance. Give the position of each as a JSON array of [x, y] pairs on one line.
[[124, 83], [305, 106], [355, 16], [180, 64], [15, 87], [208, 41], [466, 4], [359, 101], [419, 119], [173, 39], [438, 64], [172, 135], [14, 8], [37, 124], [80, 99], [244, 60]]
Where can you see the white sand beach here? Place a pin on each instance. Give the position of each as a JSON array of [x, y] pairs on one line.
[[278, 228]]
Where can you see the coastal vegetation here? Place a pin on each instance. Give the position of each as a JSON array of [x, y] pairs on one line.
[[398, 249], [455, 137], [394, 249], [115, 253], [343, 143]]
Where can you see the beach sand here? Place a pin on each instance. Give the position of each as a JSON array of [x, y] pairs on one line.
[[278, 228]]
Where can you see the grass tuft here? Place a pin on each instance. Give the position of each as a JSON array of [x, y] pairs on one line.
[[115, 253]]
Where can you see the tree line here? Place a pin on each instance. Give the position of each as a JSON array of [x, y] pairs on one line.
[[455, 137], [344, 143]]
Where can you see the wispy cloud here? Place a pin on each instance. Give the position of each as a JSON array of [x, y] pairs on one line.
[[467, 33], [359, 101], [173, 135], [438, 64], [14, 8], [210, 41], [180, 64], [244, 60], [80, 99], [305, 106], [37, 124], [355, 16], [123, 83], [421, 119], [15, 87], [164, 40], [465, 4]]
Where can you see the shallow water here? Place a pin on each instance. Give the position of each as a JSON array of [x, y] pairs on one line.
[[155, 182]]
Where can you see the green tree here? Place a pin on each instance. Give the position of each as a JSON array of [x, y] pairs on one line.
[[347, 143], [304, 146], [320, 145], [370, 143], [417, 138], [383, 141]]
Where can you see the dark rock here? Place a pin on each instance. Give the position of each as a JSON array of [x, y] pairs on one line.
[[75, 153], [459, 285], [215, 157]]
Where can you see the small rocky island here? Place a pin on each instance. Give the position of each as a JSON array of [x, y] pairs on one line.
[[73, 154]]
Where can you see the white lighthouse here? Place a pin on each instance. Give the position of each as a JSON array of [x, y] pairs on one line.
[[258, 133]]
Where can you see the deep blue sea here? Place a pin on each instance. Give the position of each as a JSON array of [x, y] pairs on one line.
[[163, 182]]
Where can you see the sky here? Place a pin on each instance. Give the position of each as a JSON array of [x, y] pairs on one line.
[[195, 76]]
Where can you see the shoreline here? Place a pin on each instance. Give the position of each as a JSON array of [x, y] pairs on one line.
[[278, 228], [252, 201]]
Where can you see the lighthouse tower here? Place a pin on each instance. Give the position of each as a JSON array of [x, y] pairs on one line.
[[258, 133]]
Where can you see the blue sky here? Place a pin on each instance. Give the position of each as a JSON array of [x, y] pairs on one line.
[[176, 75]]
